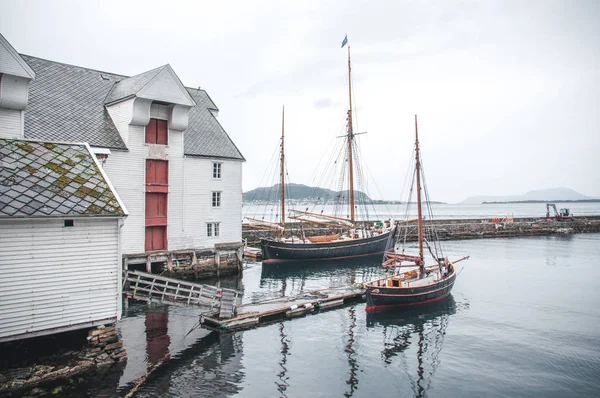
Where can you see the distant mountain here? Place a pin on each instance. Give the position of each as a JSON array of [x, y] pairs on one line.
[[297, 192], [541, 195]]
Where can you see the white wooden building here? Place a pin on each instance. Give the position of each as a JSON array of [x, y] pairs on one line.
[[60, 254], [170, 160]]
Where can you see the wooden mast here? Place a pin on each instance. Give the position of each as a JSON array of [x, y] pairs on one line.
[[282, 173], [350, 139], [419, 210]]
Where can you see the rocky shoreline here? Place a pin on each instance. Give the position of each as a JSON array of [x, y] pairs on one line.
[[102, 354]]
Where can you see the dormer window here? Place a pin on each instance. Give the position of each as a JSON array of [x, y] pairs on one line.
[[157, 132]]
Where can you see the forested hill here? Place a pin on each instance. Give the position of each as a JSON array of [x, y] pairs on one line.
[[297, 192]]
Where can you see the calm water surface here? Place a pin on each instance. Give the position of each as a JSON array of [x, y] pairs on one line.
[[442, 211], [523, 321]]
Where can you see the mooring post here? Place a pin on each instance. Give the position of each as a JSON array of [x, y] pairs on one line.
[[170, 261], [217, 262], [195, 263]]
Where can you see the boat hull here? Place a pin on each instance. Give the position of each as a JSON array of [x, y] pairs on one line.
[[274, 251], [382, 298]]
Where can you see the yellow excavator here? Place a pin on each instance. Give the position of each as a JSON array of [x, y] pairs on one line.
[[564, 214]]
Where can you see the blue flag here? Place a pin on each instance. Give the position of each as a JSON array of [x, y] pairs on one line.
[[344, 41]]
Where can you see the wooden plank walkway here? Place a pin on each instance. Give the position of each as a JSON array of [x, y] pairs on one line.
[[155, 288], [255, 314]]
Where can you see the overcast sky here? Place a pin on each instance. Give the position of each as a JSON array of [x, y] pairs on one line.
[[507, 92]]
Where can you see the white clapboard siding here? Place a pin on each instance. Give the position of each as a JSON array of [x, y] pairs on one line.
[[199, 186], [57, 278], [10, 123], [127, 173], [190, 188]]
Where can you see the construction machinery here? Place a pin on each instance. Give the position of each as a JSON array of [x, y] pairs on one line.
[[564, 214]]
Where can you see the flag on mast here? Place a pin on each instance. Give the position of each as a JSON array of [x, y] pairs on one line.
[[344, 41]]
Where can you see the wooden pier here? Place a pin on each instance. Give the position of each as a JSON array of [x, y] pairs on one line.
[[266, 311], [252, 254]]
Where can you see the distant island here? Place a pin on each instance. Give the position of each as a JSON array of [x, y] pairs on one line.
[[305, 193], [551, 195], [547, 201]]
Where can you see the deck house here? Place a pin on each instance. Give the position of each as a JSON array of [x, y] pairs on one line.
[[159, 142], [60, 219]]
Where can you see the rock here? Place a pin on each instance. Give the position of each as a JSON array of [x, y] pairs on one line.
[[57, 390], [113, 346]]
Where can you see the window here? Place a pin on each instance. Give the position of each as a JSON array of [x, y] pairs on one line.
[[217, 170], [212, 229], [157, 132], [216, 199]]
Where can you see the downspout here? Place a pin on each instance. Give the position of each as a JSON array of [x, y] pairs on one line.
[[120, 224], [22, 124]]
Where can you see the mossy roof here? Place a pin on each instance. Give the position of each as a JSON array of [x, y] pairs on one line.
[[46, 179]]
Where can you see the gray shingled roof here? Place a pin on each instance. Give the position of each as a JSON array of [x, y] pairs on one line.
[[66, 103], [44, 179], [128, 87], [205, 136]]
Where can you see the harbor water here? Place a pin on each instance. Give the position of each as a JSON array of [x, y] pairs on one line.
[[523, 320], [441, 211]]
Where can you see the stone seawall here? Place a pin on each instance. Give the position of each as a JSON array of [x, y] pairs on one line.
[[467, 229], [225, 259], [102, 357]]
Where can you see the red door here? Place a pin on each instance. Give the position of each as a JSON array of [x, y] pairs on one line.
[[157, 188]]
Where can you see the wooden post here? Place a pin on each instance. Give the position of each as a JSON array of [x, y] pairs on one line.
[[170, 261], [217, 262], [195, 263], [148, 264]]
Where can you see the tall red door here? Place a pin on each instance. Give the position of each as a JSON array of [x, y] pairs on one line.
[[157, 189]]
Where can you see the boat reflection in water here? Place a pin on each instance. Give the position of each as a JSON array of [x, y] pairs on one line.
[[285, 280], [417, 332]]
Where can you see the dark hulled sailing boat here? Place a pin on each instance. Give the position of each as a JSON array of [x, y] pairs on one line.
[[355, 242], [413, 283]]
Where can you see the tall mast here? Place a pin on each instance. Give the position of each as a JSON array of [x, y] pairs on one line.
[[419, 212], [350, 139], [282, 172]]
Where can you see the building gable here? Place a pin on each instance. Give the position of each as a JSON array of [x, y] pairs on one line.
[[160, 84], [11, 62]]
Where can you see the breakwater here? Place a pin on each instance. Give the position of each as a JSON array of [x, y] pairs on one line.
[[456, 229]]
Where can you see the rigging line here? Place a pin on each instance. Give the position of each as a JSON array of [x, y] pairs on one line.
[[330, 164], [376, 187], [262, 192], [363, 205], [437, 243], [323, 155], [408, 207]]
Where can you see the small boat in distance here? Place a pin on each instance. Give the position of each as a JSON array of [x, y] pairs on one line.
[[356, 240], [413, 283]]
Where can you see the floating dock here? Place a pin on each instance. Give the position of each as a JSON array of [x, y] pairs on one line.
[[266, 311], [253, 254]]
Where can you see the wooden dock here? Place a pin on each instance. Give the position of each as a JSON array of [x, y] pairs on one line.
[[266, 311], [252, 254]]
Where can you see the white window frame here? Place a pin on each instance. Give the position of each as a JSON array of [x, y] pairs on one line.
[[217, 169], [213, 229], [216, 199]]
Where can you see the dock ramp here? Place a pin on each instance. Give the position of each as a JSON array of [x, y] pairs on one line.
[[155, 288]]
